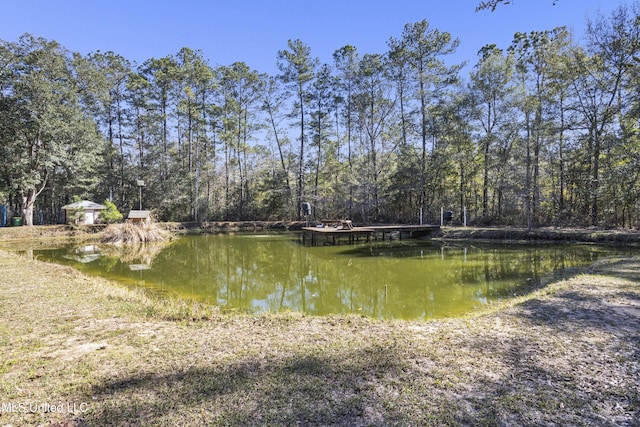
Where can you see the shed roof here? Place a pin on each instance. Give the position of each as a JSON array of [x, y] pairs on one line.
[[139, 214], [84, 204]]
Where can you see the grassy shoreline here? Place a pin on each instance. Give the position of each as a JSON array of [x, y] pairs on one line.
[[568, 354], [502, 234]]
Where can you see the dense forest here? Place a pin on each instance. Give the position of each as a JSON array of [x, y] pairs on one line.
[[544, 131]]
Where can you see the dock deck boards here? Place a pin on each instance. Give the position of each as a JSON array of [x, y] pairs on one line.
[[404, 227], [367, 231], [333, 230]]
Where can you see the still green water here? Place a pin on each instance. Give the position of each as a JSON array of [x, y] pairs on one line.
[[409, 279]]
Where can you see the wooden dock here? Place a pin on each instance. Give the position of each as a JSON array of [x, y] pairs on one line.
[[333, 233], [410, 231]]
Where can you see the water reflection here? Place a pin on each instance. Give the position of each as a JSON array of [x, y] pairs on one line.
[[406, 279], [84, 254]]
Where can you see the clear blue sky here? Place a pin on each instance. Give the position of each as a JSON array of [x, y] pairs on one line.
[[254, 30]]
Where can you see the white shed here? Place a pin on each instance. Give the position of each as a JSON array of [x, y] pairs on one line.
[[88, 212]]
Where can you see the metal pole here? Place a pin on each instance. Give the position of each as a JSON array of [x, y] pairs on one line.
[[420, 217], [140, 183]]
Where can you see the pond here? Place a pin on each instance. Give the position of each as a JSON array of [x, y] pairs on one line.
[[407, 279]]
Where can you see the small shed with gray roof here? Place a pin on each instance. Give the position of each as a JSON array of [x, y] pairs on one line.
[[83, 212], [139, 217]]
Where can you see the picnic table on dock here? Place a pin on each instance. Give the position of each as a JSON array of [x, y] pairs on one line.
[[338, 224], [331, 229]]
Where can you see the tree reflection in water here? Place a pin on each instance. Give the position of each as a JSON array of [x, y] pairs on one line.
[[410, 279]]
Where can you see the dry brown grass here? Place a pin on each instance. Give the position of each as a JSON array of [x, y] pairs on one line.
[[49, 232], [566, 355], [544, 234], [128, 233]]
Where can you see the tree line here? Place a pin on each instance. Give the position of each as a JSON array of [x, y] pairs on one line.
[[541, 132]]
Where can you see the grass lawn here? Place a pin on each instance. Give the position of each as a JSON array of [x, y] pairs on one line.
[[80, 351]]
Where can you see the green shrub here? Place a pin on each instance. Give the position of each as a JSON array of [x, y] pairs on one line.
[[111, 214]]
